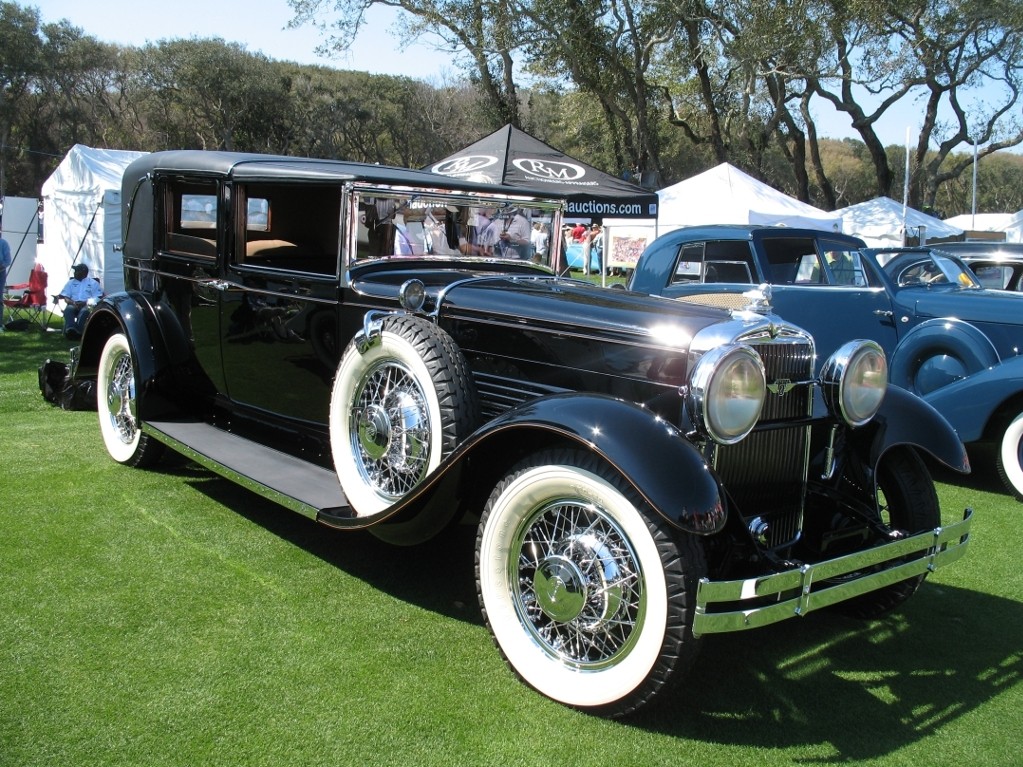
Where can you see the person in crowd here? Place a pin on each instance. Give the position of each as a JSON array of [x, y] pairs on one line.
[[81, 293], [442, 236], [508, 236], [579, 232], [539, 241]]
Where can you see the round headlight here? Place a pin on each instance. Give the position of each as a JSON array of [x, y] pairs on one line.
[[854, 381], [726, 392], [412, 295]]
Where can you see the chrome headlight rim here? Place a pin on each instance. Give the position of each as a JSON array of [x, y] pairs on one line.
[[709, 410], [856, 368], [412, 295]]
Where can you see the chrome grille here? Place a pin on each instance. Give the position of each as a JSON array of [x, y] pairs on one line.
[[765, 473]]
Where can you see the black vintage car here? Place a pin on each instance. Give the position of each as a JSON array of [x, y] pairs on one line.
[[377, 348]]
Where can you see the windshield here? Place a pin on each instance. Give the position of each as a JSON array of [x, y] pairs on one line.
[[922, 268], [429, 223]]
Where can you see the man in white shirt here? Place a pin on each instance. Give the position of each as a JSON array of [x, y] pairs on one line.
[[81, 293], [508, 236]]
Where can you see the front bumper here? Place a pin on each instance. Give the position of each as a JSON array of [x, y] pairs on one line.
[[802, 590]]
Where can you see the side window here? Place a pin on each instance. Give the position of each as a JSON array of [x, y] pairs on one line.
[[792, 260], [845, 264], [728, 261], [190, 211], [993, 276], [689, 267], [295, 227]]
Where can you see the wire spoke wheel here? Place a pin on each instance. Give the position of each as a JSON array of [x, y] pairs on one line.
[[117, 403], [580, 589], [585, 589], [390, 430]]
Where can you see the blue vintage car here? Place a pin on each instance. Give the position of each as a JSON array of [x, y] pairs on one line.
[[947, 338]]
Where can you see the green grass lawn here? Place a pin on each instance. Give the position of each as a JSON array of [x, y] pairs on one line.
[[168, 617]]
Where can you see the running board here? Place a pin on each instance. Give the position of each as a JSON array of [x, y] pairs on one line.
[[282, 478]]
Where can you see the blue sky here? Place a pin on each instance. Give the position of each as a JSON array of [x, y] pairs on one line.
[[260, 25]]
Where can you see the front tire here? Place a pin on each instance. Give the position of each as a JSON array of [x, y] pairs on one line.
[[585, 590], [117, 404], [908, 502], [1010, 457], [397, 409]]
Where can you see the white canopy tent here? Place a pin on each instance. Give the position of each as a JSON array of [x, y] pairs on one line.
[[881, 222], [726, 195], [1008, 224], [82, 216]]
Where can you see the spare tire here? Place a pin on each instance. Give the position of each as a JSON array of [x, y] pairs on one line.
[[397, 409]]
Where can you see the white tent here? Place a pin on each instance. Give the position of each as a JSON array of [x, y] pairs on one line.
[[880, 223], [1008, 224], [82, 216], [20, 229], [726, 195]]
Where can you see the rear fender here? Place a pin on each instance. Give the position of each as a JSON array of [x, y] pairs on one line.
[[973, 404], [132, 315], [939, 352]]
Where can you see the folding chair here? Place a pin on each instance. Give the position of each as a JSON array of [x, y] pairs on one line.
[[31, 304]]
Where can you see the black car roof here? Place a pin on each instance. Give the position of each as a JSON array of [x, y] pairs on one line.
[[248, 166]]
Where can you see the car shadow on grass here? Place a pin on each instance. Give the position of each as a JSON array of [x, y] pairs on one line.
[[860, 690], [397, 570]]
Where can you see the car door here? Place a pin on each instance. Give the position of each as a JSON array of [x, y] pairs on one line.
[[279, 299]]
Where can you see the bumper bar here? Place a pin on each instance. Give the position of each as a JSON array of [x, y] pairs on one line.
[[810, 587]]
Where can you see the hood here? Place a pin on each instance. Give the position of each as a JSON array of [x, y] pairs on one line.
[[543, 302]]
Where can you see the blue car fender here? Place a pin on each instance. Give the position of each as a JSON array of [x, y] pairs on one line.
[[939, 352], [971, 403], [649, 452]]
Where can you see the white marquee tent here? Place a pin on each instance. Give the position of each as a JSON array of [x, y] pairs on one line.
[[726, 195], [82, 216], [880, 223], [1009, 224]]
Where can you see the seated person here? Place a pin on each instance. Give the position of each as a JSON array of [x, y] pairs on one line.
[[81, 293]]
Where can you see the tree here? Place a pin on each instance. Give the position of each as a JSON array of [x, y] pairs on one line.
[[20, 64], [484, 33], [883, 52]]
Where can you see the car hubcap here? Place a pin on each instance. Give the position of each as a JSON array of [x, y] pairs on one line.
[[580, 592], [121, 398], [390, 430]]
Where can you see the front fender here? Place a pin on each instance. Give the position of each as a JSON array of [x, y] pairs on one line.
[[906, 419], [969, 404], [650, 453]]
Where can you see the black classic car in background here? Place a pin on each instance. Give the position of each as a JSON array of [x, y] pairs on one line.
[[947, 339], [351, 341]]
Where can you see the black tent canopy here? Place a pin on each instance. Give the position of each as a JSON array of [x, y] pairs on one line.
[[512, 157]]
